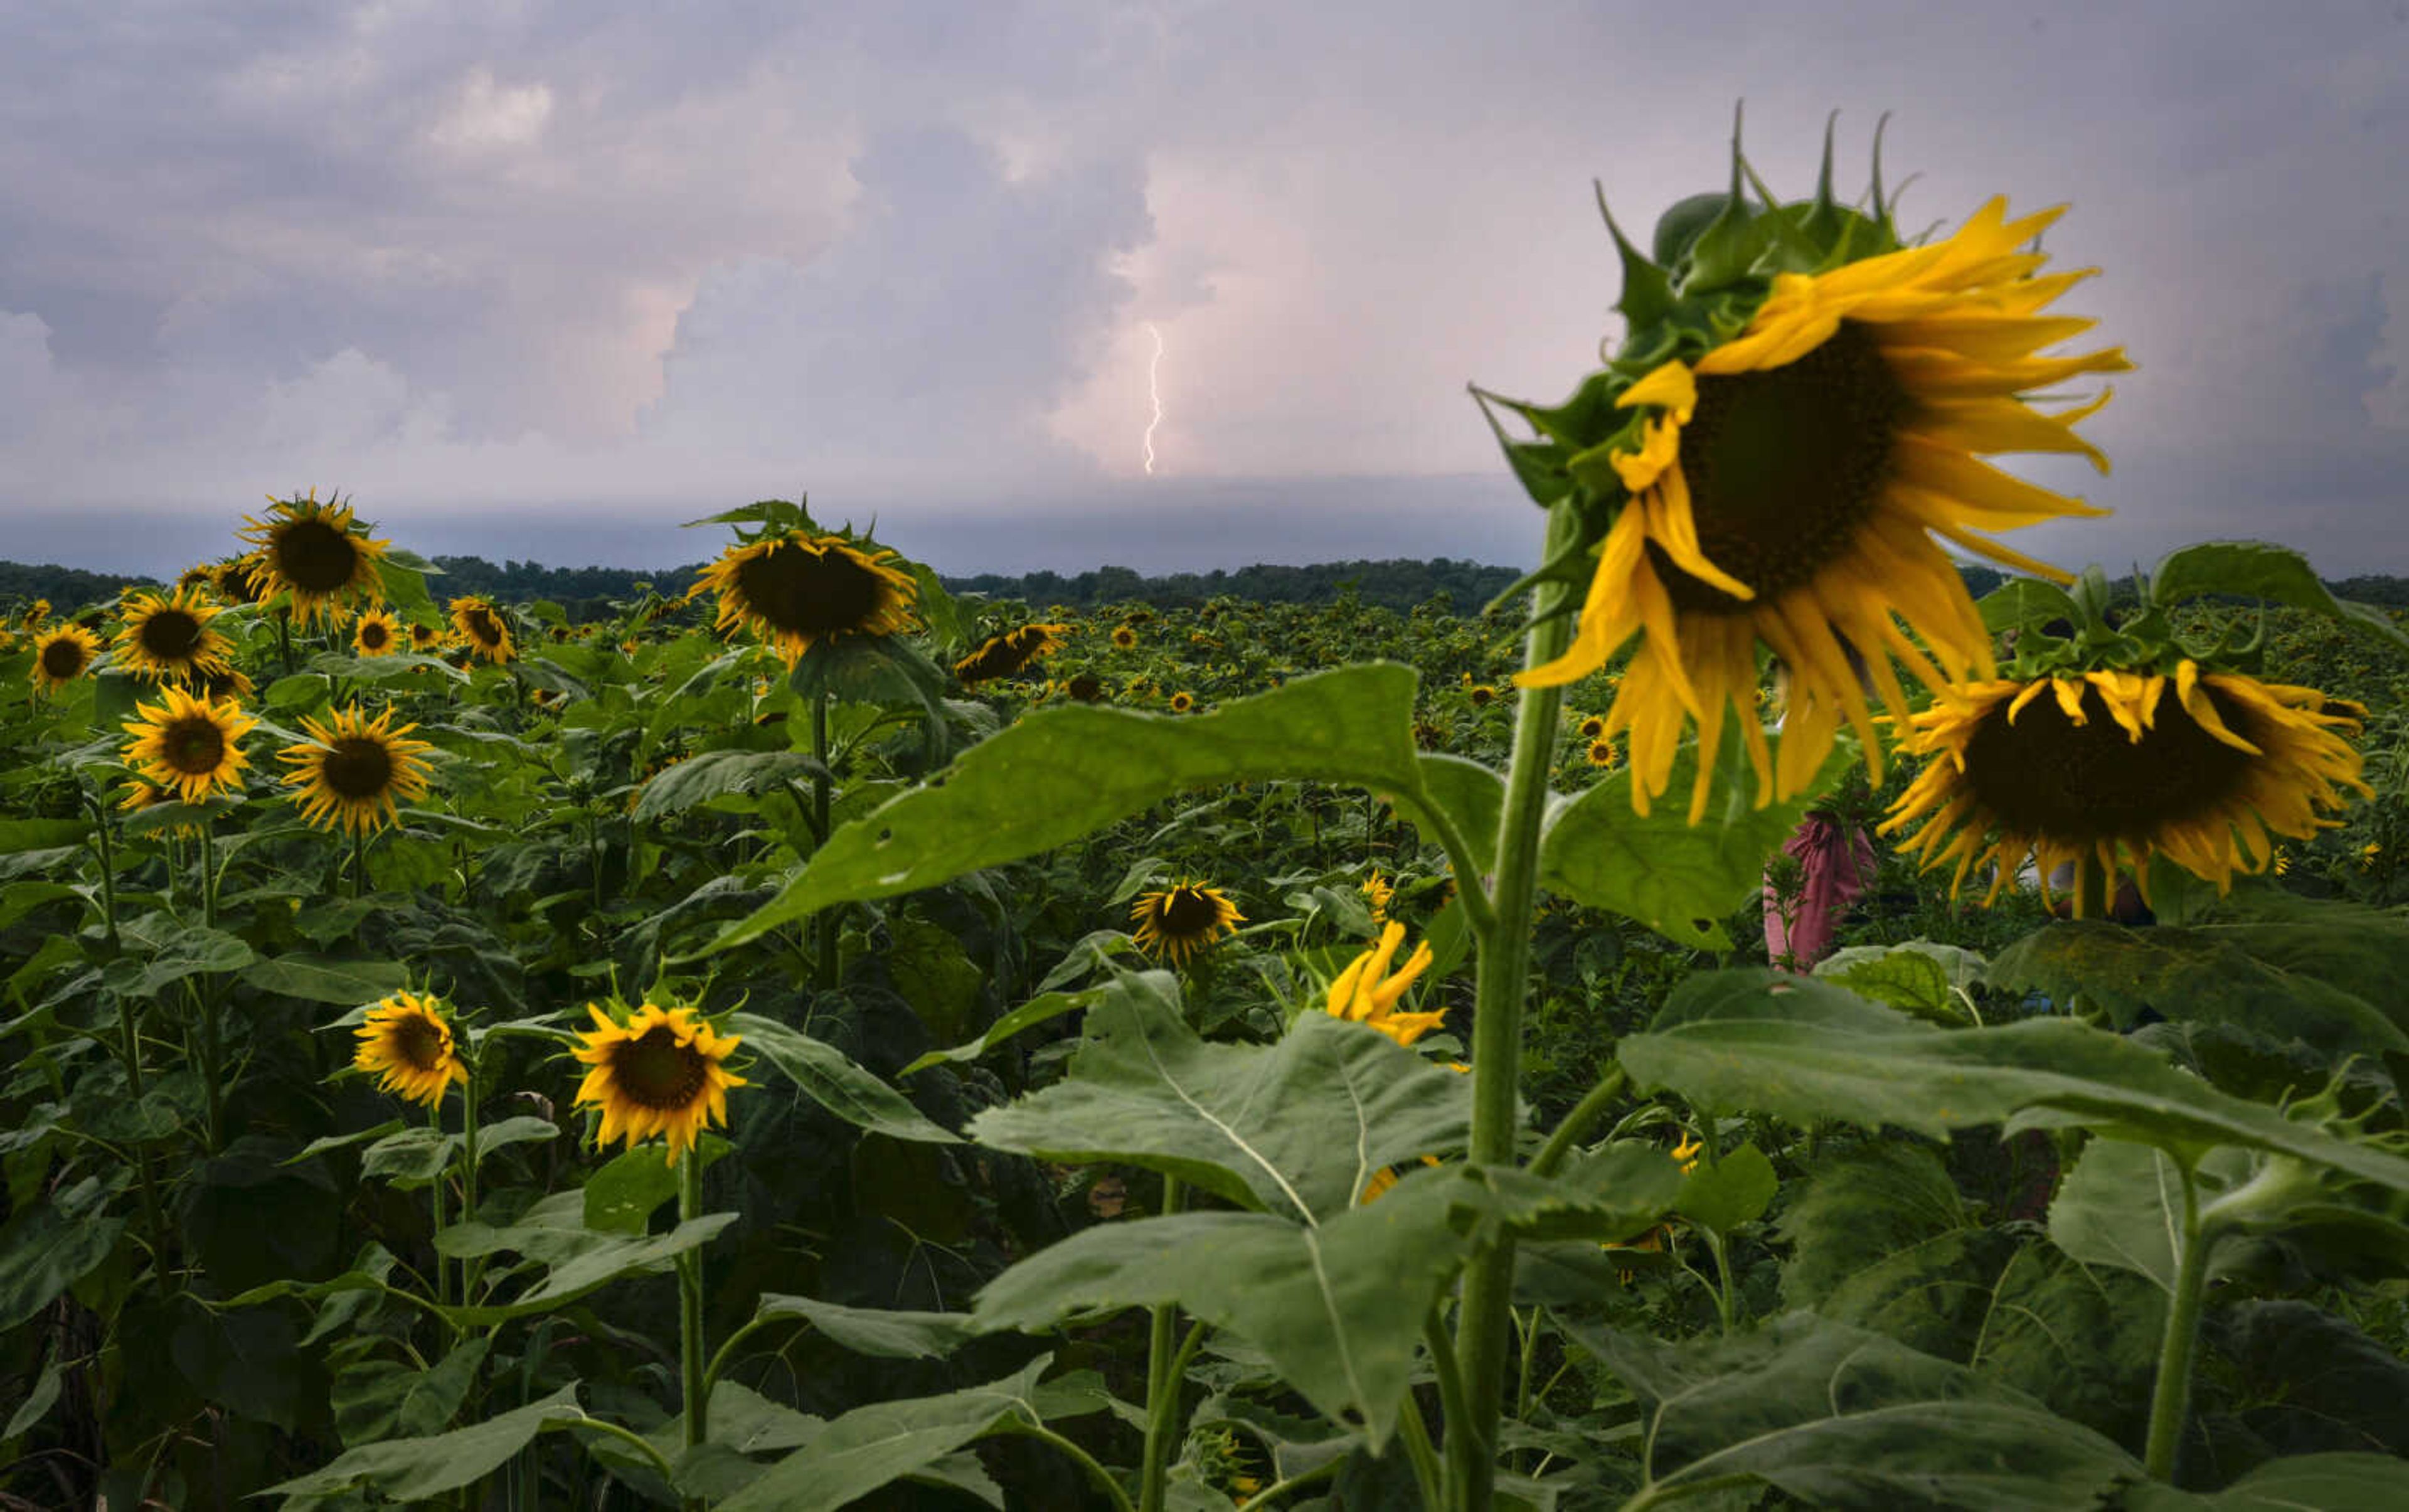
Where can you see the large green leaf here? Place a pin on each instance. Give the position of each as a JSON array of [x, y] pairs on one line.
[[1804, 1049], [2197, 975], [1297, 1128], [1677, 878], [702, 778], [1337, 1308], [1037, 1010], [576, 1258], [2256, 570], [328, 979], [2305, 1483], [869, 1446], [413, 1470], [1835, 1416], [176, 951], [44, 1251], [836, 1081], [1057, 774], [872, 1331]]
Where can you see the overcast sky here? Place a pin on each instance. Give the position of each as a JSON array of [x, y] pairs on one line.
[[542, 279]]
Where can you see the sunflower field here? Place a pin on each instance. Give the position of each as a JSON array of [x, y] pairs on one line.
[[1742, 1023]]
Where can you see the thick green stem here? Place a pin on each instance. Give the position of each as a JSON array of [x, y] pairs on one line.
[[435, 1213], [1484, 1320], [108, 871], [359, 863], [824, 925], [1161, 1385], [693, 1379], [1428, 1473], [470, 1268], [2171, 1396]]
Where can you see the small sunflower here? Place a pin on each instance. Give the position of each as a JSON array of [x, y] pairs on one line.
[[406, 1041], [1125, 636], [354, 772], [1803, 407], [1182, 919], [187, 743], [1592, 728], [664, 1072], [424, 637], [377, 634], [318, 553], [482, 627], [1377, 890], [2105, 768], [1368, 993], [35, 613], [170, 638], [795, 590], [224, 683], [238, 579], [1182, 702], [62, 656], [1482, 695], [1085, 687], [1005, 655], [1604, 755]]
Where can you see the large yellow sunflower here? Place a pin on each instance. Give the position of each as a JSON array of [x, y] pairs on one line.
[[407, 1042], [664, 1072], [795, 590], [354, 772], [188, 744], [170, 638], [2106, 769], [62, 656], [1182, 919], [316, 552], [1784, 485], [481, 625]]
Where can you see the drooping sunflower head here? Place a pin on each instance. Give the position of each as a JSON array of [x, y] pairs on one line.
[[1182, 919], [238, 579], [1801, 407], [187, 743], [664, 1072], [318, 553], [354, 772], [482, 628], [407, 1042], [1010, 652], [378, 634], [1367, 992], [794, 589], [171, 638], [2106, 769], [62, 655]]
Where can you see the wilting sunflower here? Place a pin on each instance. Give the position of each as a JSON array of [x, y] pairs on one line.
[[377, 634], [2105, 768], [482, 627], [795, 590], [316, 552], [1182, 919], [1004, 655], [187, 743], [238, 579], [354, 772], [62, 656], [170, 638], [664, 1072], [1778, 453], [406, 1041]]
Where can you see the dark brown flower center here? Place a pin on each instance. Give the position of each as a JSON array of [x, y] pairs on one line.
[[236, 581], [170, 635], [315, 556], [62, 658], [374, 636], [654, 1070], [2045, 774], [482, 627], [193, 746], [1085, 688], [417, 1041], [810, 593], [356, 766], [1187, 913], [1784, 466]]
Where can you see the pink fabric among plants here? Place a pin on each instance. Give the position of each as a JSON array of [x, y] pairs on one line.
[[1838, 867]]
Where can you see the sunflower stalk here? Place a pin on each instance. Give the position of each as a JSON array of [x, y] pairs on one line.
[[1485, 1321], [824, 925], [2170, 1395], [694, 1379], [1161, 1384]]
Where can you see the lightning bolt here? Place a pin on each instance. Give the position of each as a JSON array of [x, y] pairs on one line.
[[1154, 391]]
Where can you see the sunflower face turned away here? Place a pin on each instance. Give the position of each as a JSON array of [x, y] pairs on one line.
[[1798, 412], [1182, 919], [1367, 992], [406, 1042], [171, 638], [188, 744], [62, 656], [1006, 654], [664, 1072], [354, 770], [317, 553], [2108, 769], [483, 629], [795, 590]]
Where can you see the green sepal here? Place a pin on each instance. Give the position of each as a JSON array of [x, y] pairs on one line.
[[1647, 288]]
